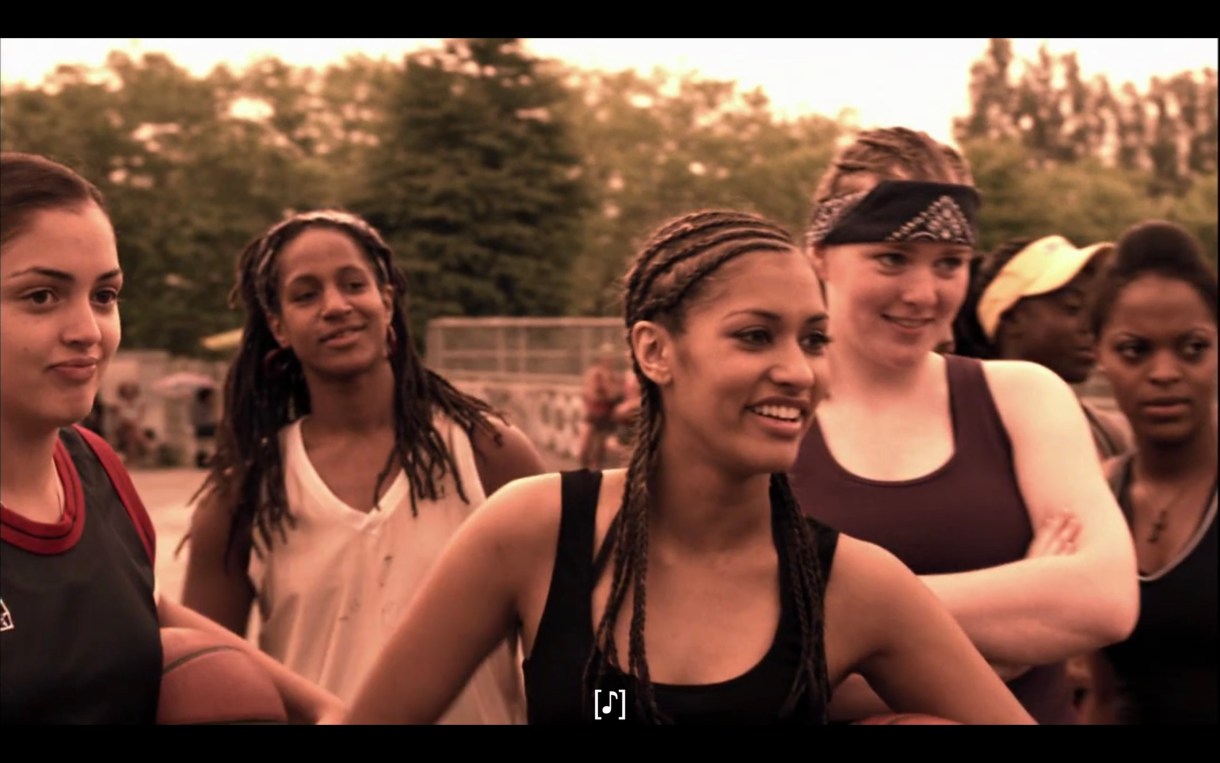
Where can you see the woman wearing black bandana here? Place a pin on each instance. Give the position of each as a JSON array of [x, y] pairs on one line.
[[980, 476]]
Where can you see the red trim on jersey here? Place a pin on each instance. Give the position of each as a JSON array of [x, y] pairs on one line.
[[55, 537], [125, 488]]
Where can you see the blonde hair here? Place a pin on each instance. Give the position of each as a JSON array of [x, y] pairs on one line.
[[891, 153]]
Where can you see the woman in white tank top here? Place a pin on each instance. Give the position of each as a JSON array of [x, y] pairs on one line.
[[343, 466]]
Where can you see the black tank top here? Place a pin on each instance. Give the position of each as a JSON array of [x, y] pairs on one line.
[[80, 635], [966, 515], [554, 671], [1166, 670]]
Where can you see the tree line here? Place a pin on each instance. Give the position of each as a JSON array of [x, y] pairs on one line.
[[512, 185]]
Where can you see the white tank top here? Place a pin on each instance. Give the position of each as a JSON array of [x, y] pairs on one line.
[[331, 595]]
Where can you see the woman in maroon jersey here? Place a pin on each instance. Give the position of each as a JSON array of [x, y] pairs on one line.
[[79, 621]]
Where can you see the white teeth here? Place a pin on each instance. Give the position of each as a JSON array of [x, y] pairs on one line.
[[781, 412]]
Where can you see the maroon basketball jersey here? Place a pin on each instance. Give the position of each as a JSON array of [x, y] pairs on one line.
[[79, 637]]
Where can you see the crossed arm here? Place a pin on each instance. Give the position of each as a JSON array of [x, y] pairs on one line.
[[1045, 608]]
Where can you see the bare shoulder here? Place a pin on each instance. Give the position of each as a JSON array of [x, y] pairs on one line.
[[1029, 393], [867, 588], [1014, 381], [522, 517], [864, 572], [504, 454]]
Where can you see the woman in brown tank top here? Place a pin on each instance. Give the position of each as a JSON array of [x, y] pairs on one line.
[[980, 476]]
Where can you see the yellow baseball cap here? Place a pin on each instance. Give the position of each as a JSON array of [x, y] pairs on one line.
[[1040, 268]]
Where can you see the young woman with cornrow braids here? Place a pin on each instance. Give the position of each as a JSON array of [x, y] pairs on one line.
[[343, 465], [980, 476], [688, 588]]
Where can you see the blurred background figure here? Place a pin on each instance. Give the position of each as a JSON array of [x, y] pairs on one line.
[[96, 420], [625, 414], [1156, 319], [203, 422], [1029, 300], [603, 390], [132, 438]]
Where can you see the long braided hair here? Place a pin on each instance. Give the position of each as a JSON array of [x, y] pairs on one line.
[[265, 390], [667, 274], [891, 153]]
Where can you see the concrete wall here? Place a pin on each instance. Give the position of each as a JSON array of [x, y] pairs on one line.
[[547, 409]]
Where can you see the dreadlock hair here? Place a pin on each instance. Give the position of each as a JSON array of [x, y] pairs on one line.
[[1154, 247], [891, 153], [672, 269], [265, 390]]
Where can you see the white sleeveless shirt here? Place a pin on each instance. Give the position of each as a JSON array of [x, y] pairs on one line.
[[331, 595]]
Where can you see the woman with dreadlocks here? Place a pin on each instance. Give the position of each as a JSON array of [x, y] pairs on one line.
[[729, 606], [980, 476], [343, 465]]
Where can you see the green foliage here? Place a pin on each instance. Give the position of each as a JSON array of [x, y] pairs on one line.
[[475, 183], [509, 185], [658, 146]]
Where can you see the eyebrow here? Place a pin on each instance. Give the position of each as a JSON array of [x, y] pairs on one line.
[[59, 275], [768, 315]]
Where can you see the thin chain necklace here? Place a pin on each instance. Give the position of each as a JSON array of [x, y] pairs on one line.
[[1161, 523]]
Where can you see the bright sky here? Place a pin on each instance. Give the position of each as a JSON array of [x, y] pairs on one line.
[[920, 83]]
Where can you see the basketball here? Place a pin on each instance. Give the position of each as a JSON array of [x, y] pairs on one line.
[[905, 719], [205, 681]]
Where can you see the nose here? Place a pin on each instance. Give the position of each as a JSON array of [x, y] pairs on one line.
[[793, 368], [919, 287], [81, 327], [334, 302], [1164, 369]]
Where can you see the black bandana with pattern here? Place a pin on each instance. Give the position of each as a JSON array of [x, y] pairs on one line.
[[900, 211]]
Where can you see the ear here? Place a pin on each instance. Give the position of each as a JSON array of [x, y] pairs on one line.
[[277, 329], [387, 298], [653, 348]]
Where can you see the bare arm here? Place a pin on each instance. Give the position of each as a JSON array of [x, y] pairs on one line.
[[305, 701], [1046, 608], [216, 587], [513, 458], [439, 645], [885, 624]]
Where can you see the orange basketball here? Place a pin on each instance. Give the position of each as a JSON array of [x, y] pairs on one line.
[[905, 719], [205, 681]]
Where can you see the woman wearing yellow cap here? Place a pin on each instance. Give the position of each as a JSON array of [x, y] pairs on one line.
[[980, 476], [1030, 301]]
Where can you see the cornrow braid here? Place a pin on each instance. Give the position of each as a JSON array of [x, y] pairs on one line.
[[265, 390], [668, 273], [891, 153]]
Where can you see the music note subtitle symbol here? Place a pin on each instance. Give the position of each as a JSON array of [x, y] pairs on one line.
[[602, 711]]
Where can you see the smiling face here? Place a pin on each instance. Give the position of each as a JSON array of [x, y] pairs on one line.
[[747, 366], [59, 316], [333, 313], [1158, 349], [893, 303]]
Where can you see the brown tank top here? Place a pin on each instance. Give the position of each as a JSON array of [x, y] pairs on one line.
[[966, 515]]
